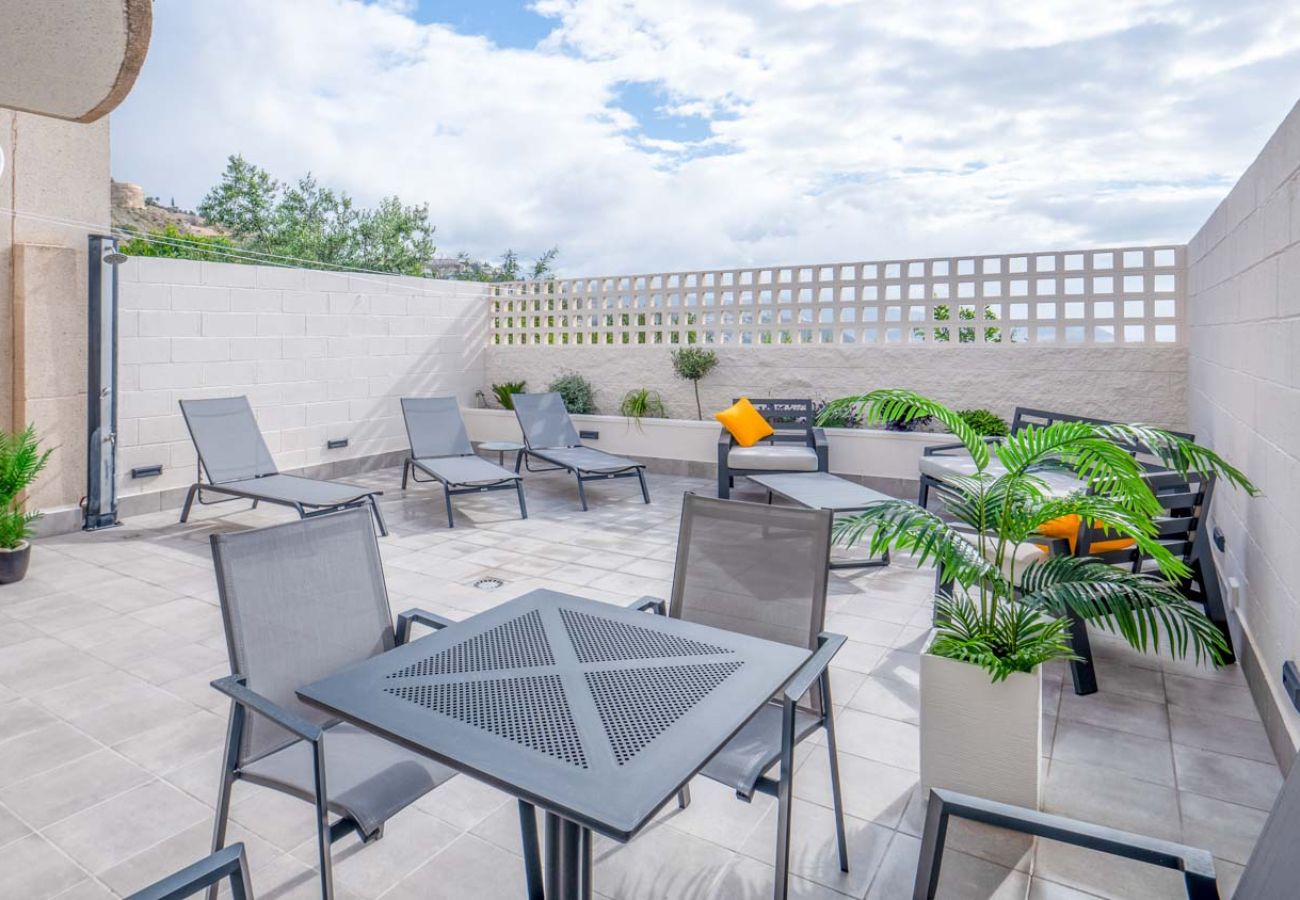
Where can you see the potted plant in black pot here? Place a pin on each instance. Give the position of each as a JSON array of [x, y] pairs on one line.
[[21, 460]]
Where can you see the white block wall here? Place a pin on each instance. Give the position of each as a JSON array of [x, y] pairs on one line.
[[320, 355], [1244, 399]]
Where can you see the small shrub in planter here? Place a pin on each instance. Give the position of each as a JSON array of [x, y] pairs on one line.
[[841, 417], [985, 423], [21, 460], [576, 392], [694, 363], [642, 403], [503, 391]]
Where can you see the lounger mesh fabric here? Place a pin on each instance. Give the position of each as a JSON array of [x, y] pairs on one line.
[[544, 421], [228, 440], [465, 470], [297, 489], [759, 570], [300, 601], [435, 427], [586, 459]]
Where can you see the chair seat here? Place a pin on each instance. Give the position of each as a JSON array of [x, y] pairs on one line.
[[366, 777], [773, 457], [456, 470], [586, 459], [297, 489], [744, 758]]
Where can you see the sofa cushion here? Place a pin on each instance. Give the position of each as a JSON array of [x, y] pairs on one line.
[[773, 457]]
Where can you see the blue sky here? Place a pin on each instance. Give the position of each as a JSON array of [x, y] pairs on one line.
[[657, 135]]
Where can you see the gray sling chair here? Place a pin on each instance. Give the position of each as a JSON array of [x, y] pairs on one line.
[[301, 601], [761, 570], [238, 464], [550, 436], [440, 448], [1271, 873], [208, 872]]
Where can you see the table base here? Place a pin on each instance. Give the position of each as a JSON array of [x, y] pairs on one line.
[[568, 860]]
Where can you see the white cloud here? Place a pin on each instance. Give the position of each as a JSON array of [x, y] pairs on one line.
[[841, 130]]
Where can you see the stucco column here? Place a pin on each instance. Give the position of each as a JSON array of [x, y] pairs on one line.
[[56, 170]]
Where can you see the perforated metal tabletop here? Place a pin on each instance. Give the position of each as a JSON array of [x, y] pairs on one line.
[[587, 710]]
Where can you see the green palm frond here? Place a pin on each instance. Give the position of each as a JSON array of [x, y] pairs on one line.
[[1179, 454], [902, 525], [902, 406], [1011, 638], [21, 460]]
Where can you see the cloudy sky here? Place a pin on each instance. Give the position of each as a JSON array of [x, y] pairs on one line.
[[656, 135]]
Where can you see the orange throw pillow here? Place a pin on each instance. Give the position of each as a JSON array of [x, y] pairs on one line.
[[745, 423], [1068, 527]]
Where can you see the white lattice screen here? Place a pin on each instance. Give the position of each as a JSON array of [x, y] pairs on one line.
[[1130, 295]]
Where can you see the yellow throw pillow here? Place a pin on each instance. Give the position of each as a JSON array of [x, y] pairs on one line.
[[1068, 527], [745, 423]]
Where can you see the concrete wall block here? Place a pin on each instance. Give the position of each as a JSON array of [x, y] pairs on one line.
[[238, 376], [159, 323], [202, 349], [227, 274], [160, 270], [254, 348], [256, 300], [228, 324], [312, 303], [281, 324], [281, 278], [144, 296], [201, 298], [175, 376], [304, 347], [144, 350]]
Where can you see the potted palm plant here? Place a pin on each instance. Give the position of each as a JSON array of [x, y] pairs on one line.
[[1008, 609], [21, 460]]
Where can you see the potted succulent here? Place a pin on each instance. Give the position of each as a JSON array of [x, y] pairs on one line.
[[981, 676], [21, 460]]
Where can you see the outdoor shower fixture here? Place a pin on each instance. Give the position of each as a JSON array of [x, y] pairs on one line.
[[101, 386]]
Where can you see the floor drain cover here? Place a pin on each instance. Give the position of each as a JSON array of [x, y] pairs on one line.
[[488, 584]]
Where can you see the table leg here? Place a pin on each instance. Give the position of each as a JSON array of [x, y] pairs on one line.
[[568, 860], [501, 458]]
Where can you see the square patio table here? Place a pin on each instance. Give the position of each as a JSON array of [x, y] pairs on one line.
[[821, 490], [595, 713]]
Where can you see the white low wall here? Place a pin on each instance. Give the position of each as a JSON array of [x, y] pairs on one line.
[[320, 355], [1244, 318], [866, 453], [1140, 383]]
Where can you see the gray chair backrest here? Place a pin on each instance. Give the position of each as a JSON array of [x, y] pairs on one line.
[[544, 421], [1273, 871], [300, 601], [752, 568], [228, 441], [434, 427]]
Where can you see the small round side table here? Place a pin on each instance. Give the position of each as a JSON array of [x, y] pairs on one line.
[[502, 448]]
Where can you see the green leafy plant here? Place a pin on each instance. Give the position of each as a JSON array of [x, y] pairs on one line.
[[1006, 619], [642, 403], [503, 391], [841, 417], [575, 391], [21, 460], [693, 364], [984, 422]]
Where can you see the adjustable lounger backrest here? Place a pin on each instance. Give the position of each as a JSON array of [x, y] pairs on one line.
[[300, 601], [544, 421], [228, 441], [752, 568], [435, 428], [1274, 867]]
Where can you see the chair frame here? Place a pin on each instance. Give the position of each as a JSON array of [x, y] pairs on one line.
[[793, 422], [412, 466], [815, 673], [366, 498], [229, 862], [1196, 865], [245, 701], [523, 458]]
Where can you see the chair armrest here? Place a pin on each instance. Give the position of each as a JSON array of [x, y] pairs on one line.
[[828, 644], [1196, 865], [724, 440], [936, 449], [228, 862], [233, 687], [649, 604], [423, 616]]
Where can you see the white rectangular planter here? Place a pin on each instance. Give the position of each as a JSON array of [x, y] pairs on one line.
[[978, 737]]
